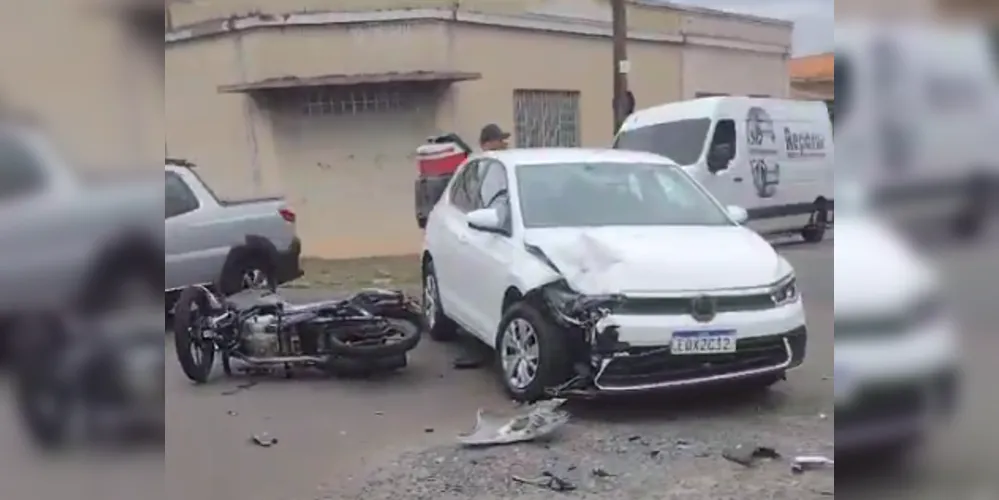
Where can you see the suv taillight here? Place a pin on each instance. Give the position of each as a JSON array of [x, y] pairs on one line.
[[287, 214]]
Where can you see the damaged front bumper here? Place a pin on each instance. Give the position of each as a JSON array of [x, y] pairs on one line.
[[645, 369], [621, 354]]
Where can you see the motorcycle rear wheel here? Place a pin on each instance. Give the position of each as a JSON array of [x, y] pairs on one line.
[[196, 356]]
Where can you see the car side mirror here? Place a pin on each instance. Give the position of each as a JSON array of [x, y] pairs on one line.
[[738, 214], [486, 220]]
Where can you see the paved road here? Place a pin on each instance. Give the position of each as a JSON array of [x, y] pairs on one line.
[[331, 432]]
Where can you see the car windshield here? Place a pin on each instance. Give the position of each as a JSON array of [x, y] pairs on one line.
[[613, 194]]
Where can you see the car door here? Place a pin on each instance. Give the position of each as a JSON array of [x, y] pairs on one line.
[[448, 232], [490, 254], [181, 231]]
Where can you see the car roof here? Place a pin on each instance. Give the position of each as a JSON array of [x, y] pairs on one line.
[[552, 156]]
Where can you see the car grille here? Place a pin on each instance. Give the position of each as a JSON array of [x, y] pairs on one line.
[[656, 365], [879, 404], [681, 305]]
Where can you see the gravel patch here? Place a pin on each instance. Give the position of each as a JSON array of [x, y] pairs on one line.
[[675, 459]]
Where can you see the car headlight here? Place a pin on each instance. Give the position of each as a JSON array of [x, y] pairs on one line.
[[785, 292]]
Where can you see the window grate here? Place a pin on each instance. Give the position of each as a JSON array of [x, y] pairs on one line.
[[354, 100], [546, 118]]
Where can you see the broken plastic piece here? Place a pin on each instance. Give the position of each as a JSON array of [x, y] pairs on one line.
[[538, 421], [549, 481], [748, 455], [802, 464]]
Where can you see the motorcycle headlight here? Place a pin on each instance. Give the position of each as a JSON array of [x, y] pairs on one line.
[[785, 292]]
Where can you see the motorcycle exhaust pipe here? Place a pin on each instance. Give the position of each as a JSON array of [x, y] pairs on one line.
[[279, 360]]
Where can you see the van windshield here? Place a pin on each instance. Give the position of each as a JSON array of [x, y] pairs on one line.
[[681, 141]]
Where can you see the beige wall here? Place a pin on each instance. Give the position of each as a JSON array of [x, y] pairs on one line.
[[520, 59], [69, 65], [350, 177]]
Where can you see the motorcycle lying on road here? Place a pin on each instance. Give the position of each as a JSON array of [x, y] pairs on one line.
[[373, 330], [89, 375]]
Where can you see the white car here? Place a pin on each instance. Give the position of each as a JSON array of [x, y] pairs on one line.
[[897, 354], [606, 271]]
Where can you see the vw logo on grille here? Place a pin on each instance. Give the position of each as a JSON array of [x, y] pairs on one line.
[[702, 308]]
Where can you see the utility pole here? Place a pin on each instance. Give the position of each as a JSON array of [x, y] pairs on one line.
[[619, 23]]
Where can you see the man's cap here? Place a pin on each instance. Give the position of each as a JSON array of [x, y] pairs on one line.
[[492, 132]]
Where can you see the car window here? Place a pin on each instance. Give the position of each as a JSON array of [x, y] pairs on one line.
[[613, 194], [493, 184], [20, 171], [681, 141], [494, 191], [178, 199], [464, 187]]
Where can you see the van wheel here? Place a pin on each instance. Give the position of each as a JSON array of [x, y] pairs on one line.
[[533, 353], [815, 231]]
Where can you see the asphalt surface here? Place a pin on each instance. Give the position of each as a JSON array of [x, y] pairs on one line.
[[333, 434]]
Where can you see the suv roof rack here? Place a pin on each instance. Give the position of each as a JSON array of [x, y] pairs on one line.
[[179, 162]]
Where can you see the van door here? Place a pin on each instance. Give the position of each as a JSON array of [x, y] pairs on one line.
[[723, 171]]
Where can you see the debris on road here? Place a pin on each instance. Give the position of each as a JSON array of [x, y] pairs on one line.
[[748, 455], [549, 481], [802, 464], [264, 440], [239, 388], [469, 362], [599, 472], [232, 413], [538, 421]]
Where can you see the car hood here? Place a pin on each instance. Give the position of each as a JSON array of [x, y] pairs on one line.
[[658, 259], [876, 270]]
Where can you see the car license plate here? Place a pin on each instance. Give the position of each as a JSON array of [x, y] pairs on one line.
[[703, 342]]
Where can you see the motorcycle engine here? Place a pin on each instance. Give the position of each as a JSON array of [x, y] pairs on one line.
[[260, 337]]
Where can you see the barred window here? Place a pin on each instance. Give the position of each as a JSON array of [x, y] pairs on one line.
[[353, 100], [546, 118]]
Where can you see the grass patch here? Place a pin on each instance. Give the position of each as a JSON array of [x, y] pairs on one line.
[[401, 272]]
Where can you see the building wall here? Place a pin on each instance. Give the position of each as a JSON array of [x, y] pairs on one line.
[[71, 67], [517, 59], [350, 177]]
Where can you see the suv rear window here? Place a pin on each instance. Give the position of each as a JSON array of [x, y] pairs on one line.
[[681, 141]]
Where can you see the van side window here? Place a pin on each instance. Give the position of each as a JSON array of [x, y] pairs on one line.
[[722, 146]]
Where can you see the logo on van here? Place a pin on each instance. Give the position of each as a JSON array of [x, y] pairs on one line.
[[762, 139], [760, 128]]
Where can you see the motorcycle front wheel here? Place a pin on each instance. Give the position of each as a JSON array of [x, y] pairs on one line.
[[195, 354]]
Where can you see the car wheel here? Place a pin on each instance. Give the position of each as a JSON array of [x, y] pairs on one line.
[[532, 352], [439, 326], [248, 273]]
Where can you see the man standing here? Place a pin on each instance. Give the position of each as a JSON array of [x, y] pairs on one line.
[[493, 138]]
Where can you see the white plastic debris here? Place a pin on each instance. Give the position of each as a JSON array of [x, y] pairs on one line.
[[537, 421], [804, 463]]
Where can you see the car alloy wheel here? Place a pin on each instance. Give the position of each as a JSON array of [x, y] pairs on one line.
[[520, 354], [430, 300]]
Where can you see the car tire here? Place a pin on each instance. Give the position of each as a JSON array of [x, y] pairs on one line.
[[553, 366], [239, 273], [439, 326]]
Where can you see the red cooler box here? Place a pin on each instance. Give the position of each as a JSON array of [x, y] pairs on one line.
[[436, 160]]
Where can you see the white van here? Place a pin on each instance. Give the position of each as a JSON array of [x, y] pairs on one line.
[[773, 157], [917, 109]]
